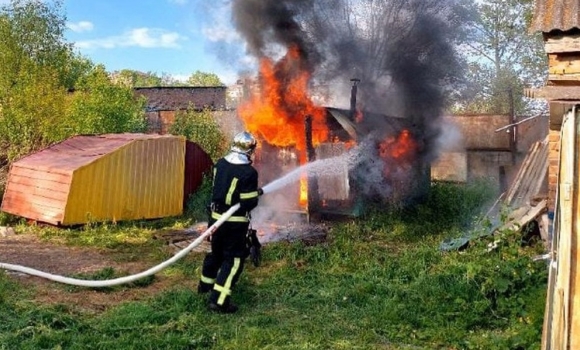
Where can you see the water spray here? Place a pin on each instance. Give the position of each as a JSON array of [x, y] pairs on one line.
[[323, 166]]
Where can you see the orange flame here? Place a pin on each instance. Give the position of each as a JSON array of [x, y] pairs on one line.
[[402, 147], [303, 199], [277, 112], [358, 116]]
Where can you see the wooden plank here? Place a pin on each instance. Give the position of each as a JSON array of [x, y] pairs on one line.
[[537, 173], [520, 176], [333, 186], [37, 174], [561, 317], [545, 227], [567, 77], [527, 190], [533, 213], [562, 43], [54, 193], [555, 92], [36, 211], [564, 64], [39, 183], [24, 200], [574, 300]]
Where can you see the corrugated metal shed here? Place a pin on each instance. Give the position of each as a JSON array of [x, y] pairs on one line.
[[550, 15], [197, 164], [111, 177]]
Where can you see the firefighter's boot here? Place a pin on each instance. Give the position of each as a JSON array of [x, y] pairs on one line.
[[227, 308], [203, 288]]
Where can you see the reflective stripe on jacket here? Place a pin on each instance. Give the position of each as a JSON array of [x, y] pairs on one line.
[[232, 184]]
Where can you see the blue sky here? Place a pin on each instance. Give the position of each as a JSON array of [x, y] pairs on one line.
[[176, 37]]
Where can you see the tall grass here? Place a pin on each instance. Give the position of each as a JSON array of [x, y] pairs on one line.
[[377, 282]]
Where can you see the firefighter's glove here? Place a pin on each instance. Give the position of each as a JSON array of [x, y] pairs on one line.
[[260, 191], [254, 247], [256, 255]]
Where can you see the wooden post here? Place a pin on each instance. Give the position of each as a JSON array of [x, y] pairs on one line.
[[514, 128], [353, 92], [313, 198]]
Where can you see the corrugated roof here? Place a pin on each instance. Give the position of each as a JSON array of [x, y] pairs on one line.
[[174, 98], [99, 178], [80, 150], [550, 15]]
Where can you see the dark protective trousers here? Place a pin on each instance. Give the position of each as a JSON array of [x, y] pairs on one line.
[[224, 265]]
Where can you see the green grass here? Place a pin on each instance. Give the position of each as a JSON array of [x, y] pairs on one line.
[[378, 282]]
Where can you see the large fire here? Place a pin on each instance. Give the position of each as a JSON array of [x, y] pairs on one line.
[[278, 108], [400, 150], [401, 147], [277, 111]]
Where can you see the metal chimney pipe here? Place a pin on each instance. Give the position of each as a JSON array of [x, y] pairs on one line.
[[353, 92]]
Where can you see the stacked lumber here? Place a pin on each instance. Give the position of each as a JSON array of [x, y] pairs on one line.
[[524, 195], [523, 199], [530, 178]]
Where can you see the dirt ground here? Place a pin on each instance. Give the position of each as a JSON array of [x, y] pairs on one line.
[[27, 250], [59, 259]]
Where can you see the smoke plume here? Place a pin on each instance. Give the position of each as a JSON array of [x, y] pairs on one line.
[[403, 52]]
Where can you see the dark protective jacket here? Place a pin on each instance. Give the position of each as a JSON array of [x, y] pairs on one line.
[[232, 184]]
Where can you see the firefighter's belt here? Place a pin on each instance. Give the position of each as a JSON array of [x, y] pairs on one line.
[[217, 216]]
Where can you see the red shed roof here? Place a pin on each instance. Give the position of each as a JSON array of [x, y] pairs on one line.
[[550, 15], [79, 150]]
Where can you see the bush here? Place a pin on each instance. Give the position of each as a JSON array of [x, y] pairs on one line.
[[197, 203], [200, 127]]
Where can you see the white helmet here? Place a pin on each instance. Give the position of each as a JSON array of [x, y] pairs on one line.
[[244, 143], [242, 148]]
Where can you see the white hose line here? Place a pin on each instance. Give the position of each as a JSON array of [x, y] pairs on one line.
[[126, 279], [272, 186]]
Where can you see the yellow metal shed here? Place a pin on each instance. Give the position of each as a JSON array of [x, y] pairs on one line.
[[112, 177]]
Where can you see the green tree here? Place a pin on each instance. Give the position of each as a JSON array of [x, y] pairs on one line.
[[503, 59], [35, 70], [98, 106], [201, 128], [47, 91], [136, 78], [199, 78]]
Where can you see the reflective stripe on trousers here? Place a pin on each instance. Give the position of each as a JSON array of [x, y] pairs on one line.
[[226, 290]]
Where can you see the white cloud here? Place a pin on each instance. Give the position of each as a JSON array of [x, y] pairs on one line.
[[138, 37], [220, 27], [82, 26], [221, 32]]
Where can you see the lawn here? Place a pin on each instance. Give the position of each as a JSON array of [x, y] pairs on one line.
[[379, 281]]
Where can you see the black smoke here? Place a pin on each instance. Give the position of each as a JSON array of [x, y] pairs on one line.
[[403, 51], [264, 23]]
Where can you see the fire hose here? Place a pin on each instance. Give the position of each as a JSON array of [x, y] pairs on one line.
[[126, 279], [324, 165]]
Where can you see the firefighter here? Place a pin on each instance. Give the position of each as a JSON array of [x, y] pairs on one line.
[[235, 180]]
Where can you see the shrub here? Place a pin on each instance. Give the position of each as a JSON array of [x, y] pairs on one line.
[[201, 128]]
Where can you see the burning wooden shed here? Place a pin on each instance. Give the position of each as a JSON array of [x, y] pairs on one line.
[[388, 164], [110, 177], [381, 170]]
